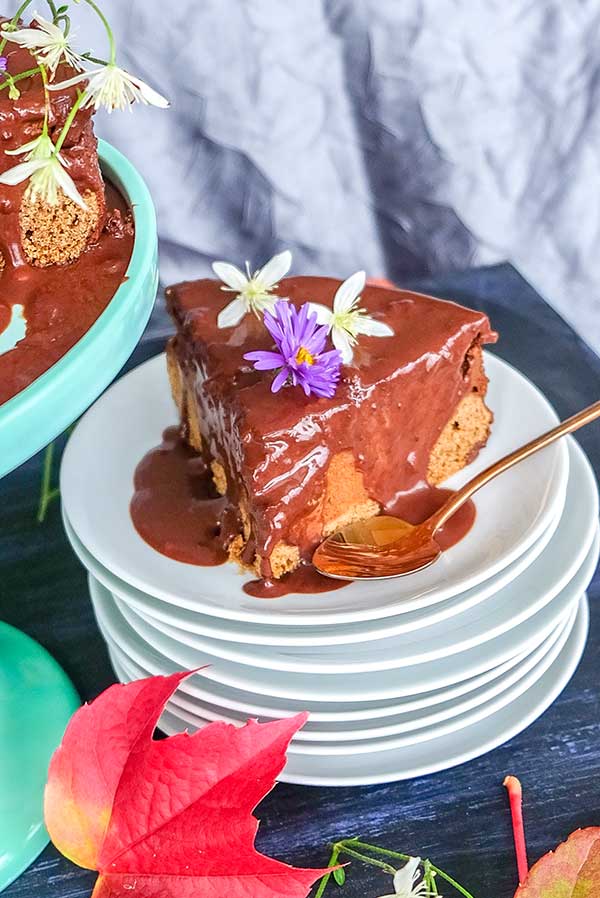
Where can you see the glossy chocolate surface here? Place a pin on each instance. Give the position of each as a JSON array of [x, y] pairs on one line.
[[389, 409]]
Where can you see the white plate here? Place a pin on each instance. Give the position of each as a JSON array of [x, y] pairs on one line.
[[398, 682], [418, 733], [507, 609], [103, 452], [250, 705], [159, 611], [437, 754], [345, 731]]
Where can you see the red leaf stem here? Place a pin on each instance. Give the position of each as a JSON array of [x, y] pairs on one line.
[[515, 797]]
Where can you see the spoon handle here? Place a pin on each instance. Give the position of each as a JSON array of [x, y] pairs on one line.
[[462, 495]]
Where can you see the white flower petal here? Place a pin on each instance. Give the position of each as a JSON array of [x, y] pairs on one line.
[[371, 327], [404, 879], [341, 341], [53, 31], [29, 147], [113, 88], [230, 275], [233, 313], [26, 37], [66, 182], [275, 269], [76, 79], [148, 94], [21, 172], [324, 315], [348, 292]]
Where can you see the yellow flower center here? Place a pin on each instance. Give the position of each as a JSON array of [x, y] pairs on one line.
[[303, 355], [255, 290]]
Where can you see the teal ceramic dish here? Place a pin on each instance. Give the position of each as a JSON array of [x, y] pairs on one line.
[[37, 700], [44, 409]]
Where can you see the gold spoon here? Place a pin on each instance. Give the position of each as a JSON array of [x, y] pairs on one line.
[[386, 546]]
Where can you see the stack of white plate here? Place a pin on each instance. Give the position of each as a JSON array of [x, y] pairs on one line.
[[401, 677]]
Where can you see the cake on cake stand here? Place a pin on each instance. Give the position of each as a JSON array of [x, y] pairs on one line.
[[36, 696]]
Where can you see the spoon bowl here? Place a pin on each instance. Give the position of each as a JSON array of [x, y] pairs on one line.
[[377, 549]]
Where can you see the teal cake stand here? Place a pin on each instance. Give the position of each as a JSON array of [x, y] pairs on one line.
[[44, 409], [36, 696], [36, 701]]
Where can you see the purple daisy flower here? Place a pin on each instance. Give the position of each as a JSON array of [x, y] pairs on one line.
[[300, 343], [3, 63]]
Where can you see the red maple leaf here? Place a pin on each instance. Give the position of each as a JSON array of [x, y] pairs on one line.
[[572, 871], [167, 818]]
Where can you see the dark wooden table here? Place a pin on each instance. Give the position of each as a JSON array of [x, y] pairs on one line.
[[459, 818]]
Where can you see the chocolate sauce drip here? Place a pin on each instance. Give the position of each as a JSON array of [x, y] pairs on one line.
[[175, 507], [176, 510]]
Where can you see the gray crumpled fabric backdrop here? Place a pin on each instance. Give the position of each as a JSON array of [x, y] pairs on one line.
[[399, 136]]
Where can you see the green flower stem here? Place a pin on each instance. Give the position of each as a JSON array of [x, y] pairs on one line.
[[12, 79], [14, 21], [343, 848], [44, 76], [351, 846], [385, 851], [53, 10], [48, 493], [69, 121], [429, 877], [325, 879], [111, 37], [95, 59]]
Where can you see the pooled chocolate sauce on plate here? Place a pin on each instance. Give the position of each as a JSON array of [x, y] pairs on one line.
[[176, 510], [175, 507]]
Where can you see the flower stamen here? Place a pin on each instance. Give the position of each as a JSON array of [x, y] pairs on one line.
[[303, 356]]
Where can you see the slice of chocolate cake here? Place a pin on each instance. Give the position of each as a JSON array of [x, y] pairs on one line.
[[409, 410], [33, 231]]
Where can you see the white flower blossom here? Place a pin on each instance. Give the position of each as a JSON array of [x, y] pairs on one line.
[[348, 320], [406, 885], [254, 291], [47, 43], [45, 169], [111, 87], [15, 331], [39, 148]]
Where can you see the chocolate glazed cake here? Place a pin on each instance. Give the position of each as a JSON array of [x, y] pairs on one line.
[[32, 231], [61, 263], [408, 413]]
